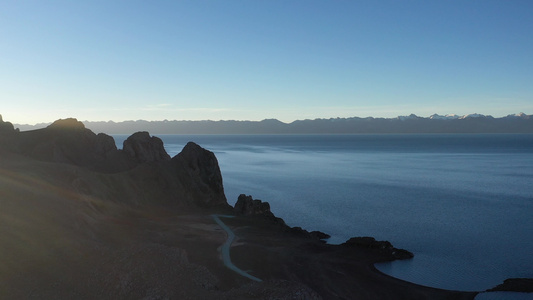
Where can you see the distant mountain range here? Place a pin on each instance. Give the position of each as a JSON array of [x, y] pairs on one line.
[[472, 123]]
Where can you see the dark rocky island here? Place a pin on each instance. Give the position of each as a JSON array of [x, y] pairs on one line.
[[81, 219]]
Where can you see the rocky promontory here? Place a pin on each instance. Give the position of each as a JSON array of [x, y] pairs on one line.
[[521, 285]]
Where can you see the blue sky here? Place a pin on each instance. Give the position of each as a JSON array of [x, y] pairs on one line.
[[251, 60]]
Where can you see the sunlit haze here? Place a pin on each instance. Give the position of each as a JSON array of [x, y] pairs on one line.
[[252, 60]]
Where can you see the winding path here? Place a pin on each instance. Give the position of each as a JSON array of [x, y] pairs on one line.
[[226, 247]]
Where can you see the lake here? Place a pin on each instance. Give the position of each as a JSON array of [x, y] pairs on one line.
[[462, 203]]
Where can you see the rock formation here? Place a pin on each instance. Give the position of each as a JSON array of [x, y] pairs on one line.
[[192, 177], [7, 135], [382, 246], [5, 127], [522, 285], [200, 174], [105, 145], [67, 124], [143, 148], [247, 206], [68, 141]]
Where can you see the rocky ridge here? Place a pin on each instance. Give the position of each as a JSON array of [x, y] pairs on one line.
[[191, 177]]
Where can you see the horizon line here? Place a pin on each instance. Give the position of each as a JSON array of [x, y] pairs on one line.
[[266, 119]]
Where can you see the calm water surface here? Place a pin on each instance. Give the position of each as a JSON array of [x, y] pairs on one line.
[[463, 204]]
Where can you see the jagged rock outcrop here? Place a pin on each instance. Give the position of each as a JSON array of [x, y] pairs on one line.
[[199, 173], [522, 285], [144, 171], [68, 141], [7, 135], [145, 148], [105, 145], [247, 206], [382, 246]]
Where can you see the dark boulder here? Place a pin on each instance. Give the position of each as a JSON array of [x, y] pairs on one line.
[[145, 148]]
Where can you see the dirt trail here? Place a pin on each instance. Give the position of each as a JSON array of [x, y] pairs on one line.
[[226, 247]]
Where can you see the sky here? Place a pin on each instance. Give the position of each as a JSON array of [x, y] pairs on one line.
[[253, 60]]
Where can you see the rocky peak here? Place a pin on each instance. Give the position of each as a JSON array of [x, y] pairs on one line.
[[66, 141], [145, 148], [67, 124], [199, 171], [104, 144], [409, 117], [518, 116], [6, 127]]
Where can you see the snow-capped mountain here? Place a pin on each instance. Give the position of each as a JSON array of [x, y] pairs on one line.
[[446, 117], [474, 116], [520, 116], [443, 117]]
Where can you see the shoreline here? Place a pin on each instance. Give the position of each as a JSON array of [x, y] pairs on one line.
[[261, 210], [365, 252]]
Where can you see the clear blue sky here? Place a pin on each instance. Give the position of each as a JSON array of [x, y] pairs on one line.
[[251, 60]]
